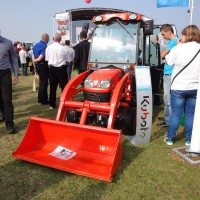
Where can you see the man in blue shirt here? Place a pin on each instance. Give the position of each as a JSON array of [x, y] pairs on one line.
[[168, 34], [42, 68], [8, 61]]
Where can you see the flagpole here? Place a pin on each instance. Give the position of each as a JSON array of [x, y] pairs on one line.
[[191, 10]]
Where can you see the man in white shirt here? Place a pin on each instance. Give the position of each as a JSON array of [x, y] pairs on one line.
[[23, 55], [56, 55], [70, 58]]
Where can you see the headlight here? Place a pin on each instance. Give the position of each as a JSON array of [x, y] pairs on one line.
[[98, 18], [88, 83], [132, 16], [104, 83]]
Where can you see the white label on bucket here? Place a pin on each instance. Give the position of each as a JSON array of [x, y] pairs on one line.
[[63, 153]]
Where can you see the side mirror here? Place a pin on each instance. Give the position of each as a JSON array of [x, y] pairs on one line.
[[148, 27]]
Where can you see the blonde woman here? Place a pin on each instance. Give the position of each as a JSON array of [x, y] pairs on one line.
[[184, 81]]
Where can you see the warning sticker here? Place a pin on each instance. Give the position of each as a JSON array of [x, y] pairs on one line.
[[63, 153]]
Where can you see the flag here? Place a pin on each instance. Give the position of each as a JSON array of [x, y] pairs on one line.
[[172, 3]]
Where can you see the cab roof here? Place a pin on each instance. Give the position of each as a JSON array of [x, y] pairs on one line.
[[88, 13]]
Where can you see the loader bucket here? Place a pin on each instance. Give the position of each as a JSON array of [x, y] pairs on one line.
[[81, 149]]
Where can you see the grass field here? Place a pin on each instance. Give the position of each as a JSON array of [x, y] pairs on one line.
[[149, 171]]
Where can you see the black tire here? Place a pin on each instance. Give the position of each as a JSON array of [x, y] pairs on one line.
[[129, 121]]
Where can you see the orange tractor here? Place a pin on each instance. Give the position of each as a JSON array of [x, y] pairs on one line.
[[110, 99]]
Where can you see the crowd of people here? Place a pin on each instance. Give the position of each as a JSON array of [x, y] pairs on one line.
[[54, 65], [24, 55]]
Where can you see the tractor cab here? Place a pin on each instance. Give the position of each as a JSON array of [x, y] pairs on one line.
[[120, 39]]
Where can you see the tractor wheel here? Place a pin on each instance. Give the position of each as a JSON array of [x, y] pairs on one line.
[[129, 121], [72, 116]]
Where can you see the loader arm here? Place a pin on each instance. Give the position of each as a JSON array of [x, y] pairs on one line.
[[68, 95], [116, 98]]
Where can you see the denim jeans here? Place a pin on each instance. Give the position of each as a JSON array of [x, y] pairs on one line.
[[166, 97], [24, 69], [69, 69], [182, 101]]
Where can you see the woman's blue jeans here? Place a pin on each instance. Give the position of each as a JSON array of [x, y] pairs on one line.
[[182, 101]]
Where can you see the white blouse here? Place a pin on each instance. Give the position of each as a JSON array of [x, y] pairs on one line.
[[179, 57]]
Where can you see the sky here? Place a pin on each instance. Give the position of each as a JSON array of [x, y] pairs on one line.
[[25, 20]]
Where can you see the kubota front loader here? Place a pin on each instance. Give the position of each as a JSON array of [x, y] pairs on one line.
[[86, 137]]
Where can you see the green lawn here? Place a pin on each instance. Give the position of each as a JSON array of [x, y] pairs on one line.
[[149, 171]]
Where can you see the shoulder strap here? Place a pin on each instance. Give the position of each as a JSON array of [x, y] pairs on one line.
[[185, 66]]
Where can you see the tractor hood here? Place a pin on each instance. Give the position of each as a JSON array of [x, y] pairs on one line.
[[103, 80]]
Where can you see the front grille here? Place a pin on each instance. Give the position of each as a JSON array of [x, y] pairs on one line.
[[97, 97]]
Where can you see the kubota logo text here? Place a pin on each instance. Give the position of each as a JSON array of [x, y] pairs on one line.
[[144, 116]]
